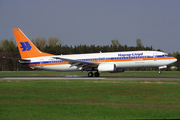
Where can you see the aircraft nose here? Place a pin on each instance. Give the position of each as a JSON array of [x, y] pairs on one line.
[[174, 60]]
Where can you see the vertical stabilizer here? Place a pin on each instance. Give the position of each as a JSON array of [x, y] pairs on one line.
[[26, 48]]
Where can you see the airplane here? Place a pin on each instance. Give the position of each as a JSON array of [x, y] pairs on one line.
[[99, 62]]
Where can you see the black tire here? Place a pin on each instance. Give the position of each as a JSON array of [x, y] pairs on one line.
[[90, 74], [96, 74]]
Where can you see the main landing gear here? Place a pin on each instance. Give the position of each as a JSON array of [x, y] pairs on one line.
[[96, 74]]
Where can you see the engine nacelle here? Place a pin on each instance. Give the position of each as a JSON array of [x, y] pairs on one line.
[[118, 70], [107, 67]]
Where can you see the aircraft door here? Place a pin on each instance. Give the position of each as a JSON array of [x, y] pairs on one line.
[[154, 56], [41, 62]]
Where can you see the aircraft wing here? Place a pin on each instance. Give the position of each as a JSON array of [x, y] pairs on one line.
[[79, 64]]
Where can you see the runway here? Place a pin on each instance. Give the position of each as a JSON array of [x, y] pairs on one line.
[[91, 78]]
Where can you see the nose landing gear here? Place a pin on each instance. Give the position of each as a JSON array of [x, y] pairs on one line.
[[161, 67], [159, 71]]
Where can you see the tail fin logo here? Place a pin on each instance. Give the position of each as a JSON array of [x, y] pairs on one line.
[[25, 46]]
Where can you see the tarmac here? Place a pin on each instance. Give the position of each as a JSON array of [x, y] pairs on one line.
[[92, 78]]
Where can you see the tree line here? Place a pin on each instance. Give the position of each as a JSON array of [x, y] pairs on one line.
[[52, 45]]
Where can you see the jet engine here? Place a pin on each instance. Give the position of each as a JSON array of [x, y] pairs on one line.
[[109, 67]]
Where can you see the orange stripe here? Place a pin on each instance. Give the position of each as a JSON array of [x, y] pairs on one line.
[[118, 60]]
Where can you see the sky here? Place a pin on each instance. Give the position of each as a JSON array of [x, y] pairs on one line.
[[95, 22]]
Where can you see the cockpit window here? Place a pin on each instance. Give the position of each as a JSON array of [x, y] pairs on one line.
[[165, 55]]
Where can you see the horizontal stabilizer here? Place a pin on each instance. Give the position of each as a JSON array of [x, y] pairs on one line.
[[16, 59]]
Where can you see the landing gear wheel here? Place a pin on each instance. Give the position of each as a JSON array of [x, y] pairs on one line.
[[159, 72], [90, 74], [96, 74]]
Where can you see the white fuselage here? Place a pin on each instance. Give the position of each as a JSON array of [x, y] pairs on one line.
[[122, 60]]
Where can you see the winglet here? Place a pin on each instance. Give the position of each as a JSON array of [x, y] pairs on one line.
[[26, 48]]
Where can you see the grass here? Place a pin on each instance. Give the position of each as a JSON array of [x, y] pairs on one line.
[[78, 73], [89, 99]]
